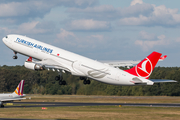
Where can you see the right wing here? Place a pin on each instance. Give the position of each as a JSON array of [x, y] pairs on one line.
[[127, 63]]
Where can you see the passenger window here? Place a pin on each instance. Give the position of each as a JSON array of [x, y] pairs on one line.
[[6, 36]]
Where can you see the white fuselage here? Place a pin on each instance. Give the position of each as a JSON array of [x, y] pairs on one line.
[[76, 64], [9, 96]]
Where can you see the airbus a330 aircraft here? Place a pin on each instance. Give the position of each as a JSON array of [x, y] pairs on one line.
[[16, 95], [51, 57]]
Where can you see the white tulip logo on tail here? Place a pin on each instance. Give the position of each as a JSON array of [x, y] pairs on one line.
[[144, 69]]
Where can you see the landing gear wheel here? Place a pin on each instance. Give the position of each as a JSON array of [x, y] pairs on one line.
[[88, 81], [15, 57], [58, 78], [2, 105], [85, 82], [62, 82]]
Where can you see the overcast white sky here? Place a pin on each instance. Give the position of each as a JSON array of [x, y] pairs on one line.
[[98, 29]]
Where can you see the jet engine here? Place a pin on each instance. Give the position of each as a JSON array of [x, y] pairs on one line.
[[33, 66]]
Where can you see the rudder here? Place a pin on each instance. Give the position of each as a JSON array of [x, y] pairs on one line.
[[19, 89]]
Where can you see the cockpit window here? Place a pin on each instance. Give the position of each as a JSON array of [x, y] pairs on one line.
[[6, 36]]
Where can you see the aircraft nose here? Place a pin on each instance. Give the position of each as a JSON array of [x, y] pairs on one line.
[[3, 40]]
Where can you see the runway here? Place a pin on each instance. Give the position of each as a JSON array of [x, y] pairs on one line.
[[68, 104]]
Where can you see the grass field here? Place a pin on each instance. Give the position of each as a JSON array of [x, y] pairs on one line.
[[96, 112]]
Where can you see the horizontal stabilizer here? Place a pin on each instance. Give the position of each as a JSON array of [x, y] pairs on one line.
[[162, 58], [142, 81], [136, 80], [161, 80]]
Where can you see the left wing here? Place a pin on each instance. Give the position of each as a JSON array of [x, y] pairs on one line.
[[45, 64]]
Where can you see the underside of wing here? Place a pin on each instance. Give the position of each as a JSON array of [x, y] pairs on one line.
[[49, 64], [52, 64]]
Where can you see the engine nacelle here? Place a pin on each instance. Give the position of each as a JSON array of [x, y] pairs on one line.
[[33, 66]]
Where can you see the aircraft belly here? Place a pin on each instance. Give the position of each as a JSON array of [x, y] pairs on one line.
[[5, 96], [117, 77]]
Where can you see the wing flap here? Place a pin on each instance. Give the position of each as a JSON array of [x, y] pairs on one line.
[[52, 64]]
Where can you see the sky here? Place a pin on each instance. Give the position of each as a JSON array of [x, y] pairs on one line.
[[97, 29]]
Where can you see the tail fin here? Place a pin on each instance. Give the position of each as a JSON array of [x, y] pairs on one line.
[[19, 89], [146, 66]]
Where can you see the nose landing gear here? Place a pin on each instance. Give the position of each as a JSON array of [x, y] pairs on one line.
[[15, 56]]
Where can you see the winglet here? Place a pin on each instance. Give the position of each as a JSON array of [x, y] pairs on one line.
[[19, 89], [162, 58], [29, 59]]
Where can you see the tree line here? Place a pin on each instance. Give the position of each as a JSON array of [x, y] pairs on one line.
[[43, 82]]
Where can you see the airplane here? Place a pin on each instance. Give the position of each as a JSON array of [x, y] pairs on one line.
[[53, 58], [16, 95]]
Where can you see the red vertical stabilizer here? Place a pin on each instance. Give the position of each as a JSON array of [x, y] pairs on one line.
[[146, 66]]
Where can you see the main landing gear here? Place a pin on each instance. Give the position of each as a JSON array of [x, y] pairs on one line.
[[60, 79], [15, 56], [85, 80], [2, 105]]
